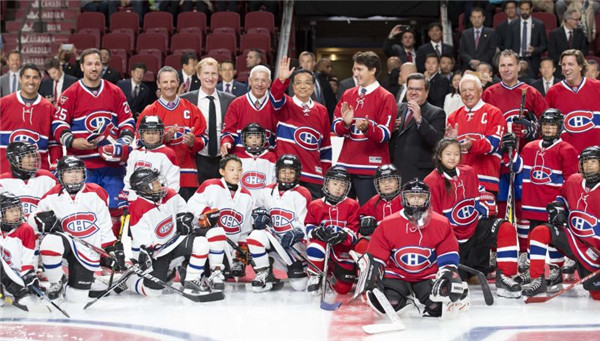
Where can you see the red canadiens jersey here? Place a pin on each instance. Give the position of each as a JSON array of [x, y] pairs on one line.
[[362, 152], [460, 204], [343, 216], [31, 191], [20, 121], [581, 108], [241, 112], [584, 219], [544, 171], [484, 124], [304, 132], [287, 208], [185, 116], [508, 100], [380, 208], [16, 248], [258, 171], [410, 253], [82, 111], [162, 158]]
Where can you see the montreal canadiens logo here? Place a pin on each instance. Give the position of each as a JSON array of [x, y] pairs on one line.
[[510, 115], [179, 134], [334, 225], [253, 180], [282, 219], [231, 221], [413, 259], [95, 120], [29, 204], [142, 164], [579, 121], [164, 228], [583, 224], [355, 134], [24, 135], [80, 224], [307, 138], [540, 175], [464, 213], [6, 255]]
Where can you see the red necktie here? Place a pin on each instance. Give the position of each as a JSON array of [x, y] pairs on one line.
[[476, 39], [187, 84], [409, 57]]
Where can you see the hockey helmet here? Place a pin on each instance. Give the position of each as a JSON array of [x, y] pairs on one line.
[[8, 201], [415, 200], [254, 129], [554, 117], [24, 159], [288, 161], [383, 175], [148, 183], [336, 175], [590, 153], [66, 173], [151, 124]]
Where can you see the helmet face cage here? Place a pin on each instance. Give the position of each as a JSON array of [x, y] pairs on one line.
[[25, 161], [73, 187], [415, 212], [148, 145], [254, 149], [336, 175], [552, 117], [589, 153], [285, 185], [8, 202], [148, 188], [382, 176]]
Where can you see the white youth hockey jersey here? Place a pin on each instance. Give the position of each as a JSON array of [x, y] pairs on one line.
[[258, 171], [162, 158], [31, 191], [287, 209]]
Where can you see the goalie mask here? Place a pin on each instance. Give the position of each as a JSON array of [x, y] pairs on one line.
[[387, 182], [551, 117], [253, 138], [291, 162], [24, 159], [152, 132], [415, 200], [588, 168], [11, 210], [71, 174], [336, 185], [148, 183]]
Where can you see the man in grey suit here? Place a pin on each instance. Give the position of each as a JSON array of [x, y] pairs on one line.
[[9, 82], [213, 104]]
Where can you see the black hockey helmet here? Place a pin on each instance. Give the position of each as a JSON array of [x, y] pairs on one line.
[[148, 124], [385, 172], [288, 161], [8, 201], [338, 173], [254, 129], [416, 213], [70, 164], [142, 182], [590, 153], [24, 159], [551, 116]]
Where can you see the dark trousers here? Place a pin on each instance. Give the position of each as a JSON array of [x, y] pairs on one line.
[[362, 188], [316, 190], [208, 167]]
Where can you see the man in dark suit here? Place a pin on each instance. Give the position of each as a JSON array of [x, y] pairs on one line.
[[477, 44], [108, 73], [230, 85], [406, 70], [52, 87], [345, 84], [323, 93], [567, 36], [527, 37], [510, 9], [406, 49], [213, 104], [547, 70], [137, 93], [188, 79], [434, 46], [417, 129], [439, 86]]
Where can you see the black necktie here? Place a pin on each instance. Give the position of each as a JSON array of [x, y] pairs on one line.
[[136, 91], [212, 127]]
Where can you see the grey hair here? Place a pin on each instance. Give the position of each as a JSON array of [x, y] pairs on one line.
[[470, 78], [260, 68], [167, 69]]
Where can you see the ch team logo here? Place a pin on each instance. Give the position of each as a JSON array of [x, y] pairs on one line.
[[512, 114], [7, 256], [254, 180], [580, 121], [96, 119], [540, 175], [24, 135], [307, 138], [413, 259], [355, 134], [179, 134], [282, 219], [80, 224], [584, 225], [29, 204], [231, 221], [164, 228], [142, 164], [464, 213], [333, 225]]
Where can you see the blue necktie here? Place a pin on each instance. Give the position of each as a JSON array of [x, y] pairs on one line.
[[524, 40]]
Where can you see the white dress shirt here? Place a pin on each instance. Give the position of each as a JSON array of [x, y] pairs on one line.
[[203, 105]]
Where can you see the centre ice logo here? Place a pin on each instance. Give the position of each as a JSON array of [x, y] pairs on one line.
[[307, 138], [24, 135], [80, 224], [464, 213], [230, 220], [254, 180], [164, 228], [580, 121], [413, 259], [540, 175], [583, 225], [282, 219]]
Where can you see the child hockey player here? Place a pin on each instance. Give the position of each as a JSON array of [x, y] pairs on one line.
[[258, 162]]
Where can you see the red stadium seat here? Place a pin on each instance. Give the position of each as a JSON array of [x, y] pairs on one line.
[[221, 41], [191, 19], [260, 30], [152, 63], [243, 76], [260, 19], [191, 30], [148, 41], [225, 19], [461, 23], [116, 62], [149, 76], [158, 19], [152, 52], [220, 55], [120, 41], [174, 60], [93, 31], [91, 20], [549, 20], [597, 59], [240, 63], [186, 41], [128, 20], [498, 18], [83, 41], [128, 32], [255, 41]]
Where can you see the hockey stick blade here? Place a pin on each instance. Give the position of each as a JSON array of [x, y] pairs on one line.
[[541, 299], [32, 309], [395, 325], [213, 296], [324, 304], [382, 328], [42, 295], [330, 306], [485, 286], [121, 280]]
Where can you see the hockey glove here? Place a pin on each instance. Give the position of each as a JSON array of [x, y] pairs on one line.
[[447, 286], [101, 133], [487, 206], [262, 218], [524, 129], [30, 279], [117, 260], [291, 237], [115, 152], [367, 225], [321, 233], [47, 222], [185, 223], [337, 237], [557, 213], [509, 141], [209, 218], [245, 256], [145, 257]]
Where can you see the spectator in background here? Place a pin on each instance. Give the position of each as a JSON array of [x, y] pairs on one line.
[[524, 72], [477, 44], [324, 66], [188, 79], [435, 46], [137, 93], [406, 70], [108, 73], [406, 49], [199, 6], [531, 48], [592, 69], [544, 6], [389, 80], [510, 9], [254, 57], [335, 84], [346, 84], [9, 82], [486, 75], [453, 102], [64, 57], [106, 7], [439, 86], [228, 84], [171, 7], [547, 70], [447, 64], [568, 36], [588, 10], [52, 87]]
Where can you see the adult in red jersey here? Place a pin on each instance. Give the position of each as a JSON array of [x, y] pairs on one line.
[[26, 116], [478, 126], [253, 107], [185, 127], [577, 98], [303, 128], [364, 117]]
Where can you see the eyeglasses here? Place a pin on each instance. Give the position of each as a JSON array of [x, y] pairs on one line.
[[575, 19], [415, 89]]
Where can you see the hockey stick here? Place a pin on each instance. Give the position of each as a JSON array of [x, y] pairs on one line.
[[540, 299], [43, 296], [37, 308], [485, 286], [395, 325], [239, 249], [121, 280], [324, 304], [124, 226], [510, 200]]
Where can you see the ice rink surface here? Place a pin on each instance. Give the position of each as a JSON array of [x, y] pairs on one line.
[[290, 315]]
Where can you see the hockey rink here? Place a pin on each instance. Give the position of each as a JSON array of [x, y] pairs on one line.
[[290, 315]]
